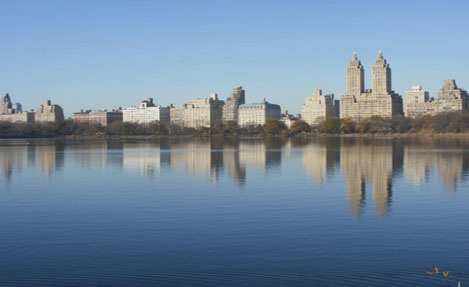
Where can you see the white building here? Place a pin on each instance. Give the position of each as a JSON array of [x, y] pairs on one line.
[[450, 99], [417, 103], [198, 113], [14, 113], [358, 104], [230, 109], [49, 112], [257, 114], [318, 107], [146, 113]]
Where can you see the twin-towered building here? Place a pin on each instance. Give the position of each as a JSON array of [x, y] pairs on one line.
[[358, 104]]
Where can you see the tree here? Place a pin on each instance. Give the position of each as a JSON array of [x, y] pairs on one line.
[[96, 128], [331, 126], [299, 126], [347, 126], [154, 128], [274, 127], [231, 127]]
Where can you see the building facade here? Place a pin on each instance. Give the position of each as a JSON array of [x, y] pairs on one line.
[[358, 104], [258, 113], [198, 113], [318, 107], [176, 116], [230, 109], [146, 113], [49, 112], [14, 113], [417, 103], [450, 99], [103, 118]]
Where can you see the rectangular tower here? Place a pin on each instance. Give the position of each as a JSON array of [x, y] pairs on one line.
[[355, 77]]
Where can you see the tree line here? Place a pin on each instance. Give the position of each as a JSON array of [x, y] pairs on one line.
[[441, 123]]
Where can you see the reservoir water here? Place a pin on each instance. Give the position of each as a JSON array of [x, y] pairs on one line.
[[234, 212]]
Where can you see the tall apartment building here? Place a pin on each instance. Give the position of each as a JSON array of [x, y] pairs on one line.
[[198, 113], [418, 103], [176, 116], [258, 113], [10, 112], [146, 113], [318, 107], [49, 112], [450, 99], [358, 104], [103, 118], [230, 109]]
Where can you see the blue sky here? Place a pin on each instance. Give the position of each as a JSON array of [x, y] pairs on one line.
[[107, 54]]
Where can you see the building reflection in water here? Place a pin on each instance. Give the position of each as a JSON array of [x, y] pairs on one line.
[[377, 161], [365, 163], [98, 154], [50, 158], [204, 157], [148, 158], [13, 159], [424, 157], [320, 158]]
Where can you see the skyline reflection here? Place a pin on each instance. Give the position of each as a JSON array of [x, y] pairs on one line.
[[369, 167]]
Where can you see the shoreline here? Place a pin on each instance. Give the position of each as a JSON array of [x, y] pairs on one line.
[[294, 136]]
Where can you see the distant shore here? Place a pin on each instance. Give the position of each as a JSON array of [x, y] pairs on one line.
[[295, 136]]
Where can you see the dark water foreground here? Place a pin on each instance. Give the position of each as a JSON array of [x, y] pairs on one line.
[[226, 212]]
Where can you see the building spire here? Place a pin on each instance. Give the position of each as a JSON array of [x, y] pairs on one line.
[[354, 55], [380, 54]]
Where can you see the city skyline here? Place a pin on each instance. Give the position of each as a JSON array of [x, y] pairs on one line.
[[121, 52]]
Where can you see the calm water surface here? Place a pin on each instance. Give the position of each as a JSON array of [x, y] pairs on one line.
[[226, 212]]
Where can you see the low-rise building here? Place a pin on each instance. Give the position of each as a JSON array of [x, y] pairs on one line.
[[49, 112], [14, 113], [417, 102], [288, 119], [258, 113], [146, 113], [318, 107], [103, 118]]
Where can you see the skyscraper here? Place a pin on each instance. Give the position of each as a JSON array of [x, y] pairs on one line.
[[355, 77], [381, 76]]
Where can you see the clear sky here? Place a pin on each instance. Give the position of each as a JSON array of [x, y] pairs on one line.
[[109, 54]]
